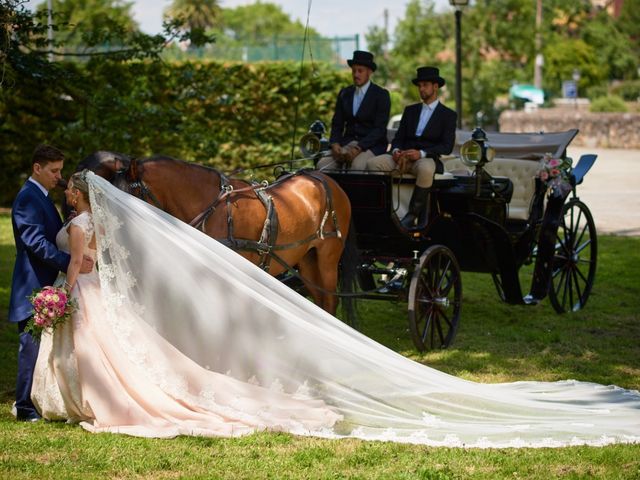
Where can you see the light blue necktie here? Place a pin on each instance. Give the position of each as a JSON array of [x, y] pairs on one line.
[[357, 99], [425, 115]]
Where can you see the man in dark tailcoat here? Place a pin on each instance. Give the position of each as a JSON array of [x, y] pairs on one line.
[[427, 130], [36, 223], [359, 124]]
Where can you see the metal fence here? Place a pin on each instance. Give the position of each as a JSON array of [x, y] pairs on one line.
[[333, 50]]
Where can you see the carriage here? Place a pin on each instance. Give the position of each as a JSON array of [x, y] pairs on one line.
[[489, 212]]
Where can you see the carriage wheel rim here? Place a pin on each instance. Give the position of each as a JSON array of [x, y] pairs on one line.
[[575, 259], [435, 299]]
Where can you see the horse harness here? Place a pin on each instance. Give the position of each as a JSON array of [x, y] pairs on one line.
[[266, 246]]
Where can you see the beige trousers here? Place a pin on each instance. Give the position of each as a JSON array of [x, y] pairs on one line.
[[358, 163], [423, 169]]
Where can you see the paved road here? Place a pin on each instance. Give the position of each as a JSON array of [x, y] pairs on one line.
[[611, 189]]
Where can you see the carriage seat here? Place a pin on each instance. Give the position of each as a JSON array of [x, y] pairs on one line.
[[521, 172]]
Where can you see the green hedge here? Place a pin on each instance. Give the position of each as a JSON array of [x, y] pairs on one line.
[[228, 115]]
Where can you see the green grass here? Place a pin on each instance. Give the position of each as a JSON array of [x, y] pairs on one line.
[[495, 343]]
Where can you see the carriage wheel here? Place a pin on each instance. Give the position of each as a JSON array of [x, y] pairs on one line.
[[574, 261], [435, 295]]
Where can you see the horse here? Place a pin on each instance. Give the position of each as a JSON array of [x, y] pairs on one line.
[[303, 219]]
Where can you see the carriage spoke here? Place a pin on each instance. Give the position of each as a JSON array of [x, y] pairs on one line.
[[427, 324], [581, 247], [440, 334], [584, 229], [576, 281], [579, 272]]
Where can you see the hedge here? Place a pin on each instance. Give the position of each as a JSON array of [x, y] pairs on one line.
[[227, 115]]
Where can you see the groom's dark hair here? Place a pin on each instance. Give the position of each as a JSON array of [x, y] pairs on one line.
[[44, 154]]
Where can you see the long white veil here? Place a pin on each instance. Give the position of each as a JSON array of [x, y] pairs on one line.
[[231, 317]]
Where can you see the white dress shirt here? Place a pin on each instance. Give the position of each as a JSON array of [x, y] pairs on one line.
[[358, 95], [42, 189], [425, 116]]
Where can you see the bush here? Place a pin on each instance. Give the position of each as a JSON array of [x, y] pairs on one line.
[[610, 103], [227, 115], [629, 90], [597, 91]]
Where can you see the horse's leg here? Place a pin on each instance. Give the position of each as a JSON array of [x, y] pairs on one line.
[[320, 267], [310, 275]]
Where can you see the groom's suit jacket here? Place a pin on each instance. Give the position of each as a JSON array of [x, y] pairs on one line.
[[369, 126], [438, 136], [36, 223]]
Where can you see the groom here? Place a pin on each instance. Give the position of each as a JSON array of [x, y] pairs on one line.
[[35, 225]]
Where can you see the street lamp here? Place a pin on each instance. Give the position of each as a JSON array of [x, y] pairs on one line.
[[458, 4]]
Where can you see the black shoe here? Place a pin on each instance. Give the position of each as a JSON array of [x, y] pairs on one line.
[[28, 417]]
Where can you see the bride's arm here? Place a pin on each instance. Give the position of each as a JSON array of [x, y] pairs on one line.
[[76, 247]]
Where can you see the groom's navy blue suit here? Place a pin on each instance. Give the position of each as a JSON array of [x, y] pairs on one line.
[[35, 225]]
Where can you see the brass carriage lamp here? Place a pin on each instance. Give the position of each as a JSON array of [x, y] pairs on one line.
[[477, 152], [313, 142]]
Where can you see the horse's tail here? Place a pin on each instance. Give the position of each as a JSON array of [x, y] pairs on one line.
[[348, 283]]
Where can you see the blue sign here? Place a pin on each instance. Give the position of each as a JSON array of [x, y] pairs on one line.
[[569, 89]]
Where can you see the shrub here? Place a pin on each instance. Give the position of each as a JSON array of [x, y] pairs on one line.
[[629, 90], [610, 103]]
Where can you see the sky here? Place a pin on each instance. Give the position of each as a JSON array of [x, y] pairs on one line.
[[329, 17]]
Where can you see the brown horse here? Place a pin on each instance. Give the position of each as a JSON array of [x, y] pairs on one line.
[[301, 220]]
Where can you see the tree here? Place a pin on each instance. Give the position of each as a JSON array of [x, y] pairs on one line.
[[90, 23], [264, 31], [194, 15]]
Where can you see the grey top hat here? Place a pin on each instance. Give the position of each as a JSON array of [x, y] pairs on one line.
[[428, 74], [360, 57]]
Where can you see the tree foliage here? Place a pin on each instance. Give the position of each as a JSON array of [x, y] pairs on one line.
[[193, 15], [90, 22], [499, 48]]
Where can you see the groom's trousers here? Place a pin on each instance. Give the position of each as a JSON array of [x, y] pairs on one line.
[[27, 356]]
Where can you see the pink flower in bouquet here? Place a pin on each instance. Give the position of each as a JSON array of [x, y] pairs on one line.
[[544, 175], [51, 307]]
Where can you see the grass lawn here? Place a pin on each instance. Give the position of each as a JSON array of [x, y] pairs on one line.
[[495, 343]]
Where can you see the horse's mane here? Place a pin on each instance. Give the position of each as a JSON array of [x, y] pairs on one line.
[[169, 159], [96, 159]]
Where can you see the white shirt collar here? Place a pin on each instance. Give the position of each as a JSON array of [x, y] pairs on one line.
[[432, 105], [364, 88], [42, 189]]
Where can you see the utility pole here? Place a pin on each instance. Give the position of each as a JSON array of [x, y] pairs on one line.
[[539, 61]]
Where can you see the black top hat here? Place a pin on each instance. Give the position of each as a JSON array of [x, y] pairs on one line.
[[428, 74], [360, 57]]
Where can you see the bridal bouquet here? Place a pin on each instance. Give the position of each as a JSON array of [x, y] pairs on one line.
[[52, 306], [554, 172]]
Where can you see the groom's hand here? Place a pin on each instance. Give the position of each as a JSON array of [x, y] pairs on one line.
[[87, 264]]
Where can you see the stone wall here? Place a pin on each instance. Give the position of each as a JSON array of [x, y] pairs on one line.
[[605, 130]]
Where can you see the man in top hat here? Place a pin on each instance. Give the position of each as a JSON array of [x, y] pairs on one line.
[[359, 124], [427, 130]]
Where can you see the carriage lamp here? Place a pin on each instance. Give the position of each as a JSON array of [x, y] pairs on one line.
[[477, 152], [314, 141]]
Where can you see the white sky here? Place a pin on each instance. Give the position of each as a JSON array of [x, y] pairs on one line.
[[329, 17]]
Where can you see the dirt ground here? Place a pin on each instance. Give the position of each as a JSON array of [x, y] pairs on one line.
[[611, 189]]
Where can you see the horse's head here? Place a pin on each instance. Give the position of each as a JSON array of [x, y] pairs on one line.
[[105, 164]]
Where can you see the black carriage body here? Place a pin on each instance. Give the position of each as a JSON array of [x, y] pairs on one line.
[[471, 226], [469, 229]]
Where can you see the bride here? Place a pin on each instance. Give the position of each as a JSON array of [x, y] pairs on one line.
[[176, 334]]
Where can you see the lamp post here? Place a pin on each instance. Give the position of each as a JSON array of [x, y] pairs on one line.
[[458, 4]]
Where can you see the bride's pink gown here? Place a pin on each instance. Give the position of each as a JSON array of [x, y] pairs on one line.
[[85, 374]]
